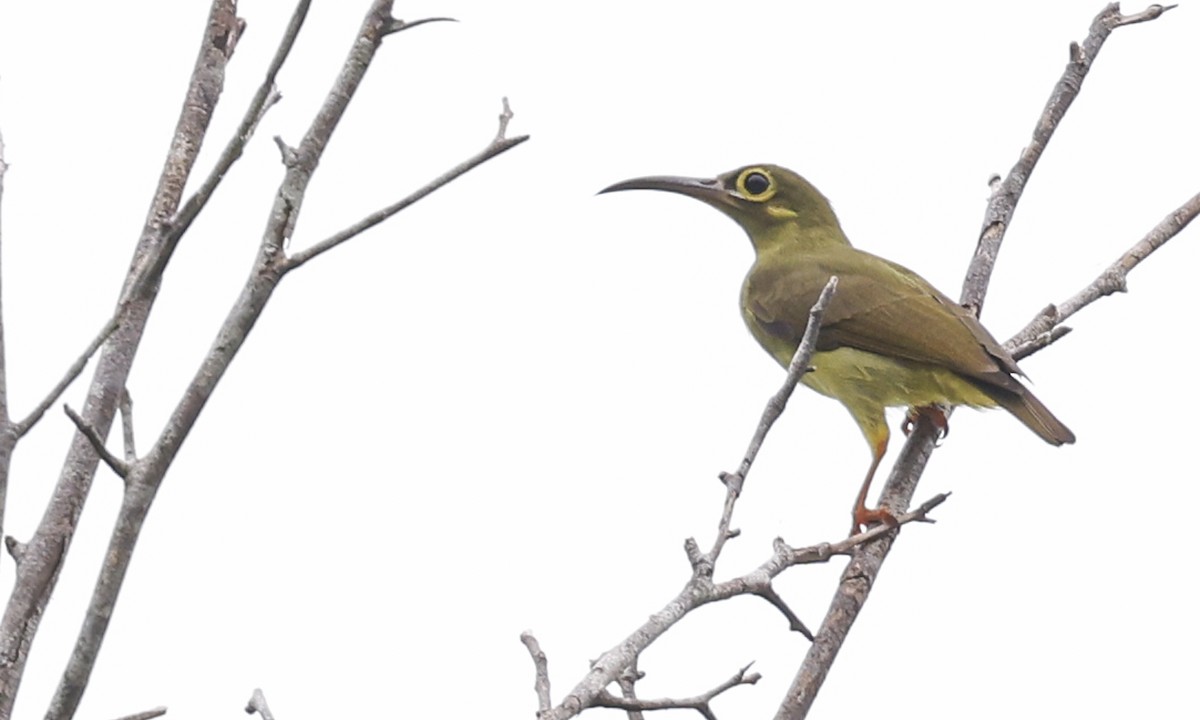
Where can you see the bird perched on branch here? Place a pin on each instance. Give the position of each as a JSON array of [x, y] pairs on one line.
[[888, 338]]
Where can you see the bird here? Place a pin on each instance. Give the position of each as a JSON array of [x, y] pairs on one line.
[[888, 338]]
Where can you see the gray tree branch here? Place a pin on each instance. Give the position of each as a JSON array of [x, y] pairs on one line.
[[1046, 326], [146, 714], [859, 576], [116, 464], [699, 590], [258, 704], [270, 266], [1006, 194], [41, 558]]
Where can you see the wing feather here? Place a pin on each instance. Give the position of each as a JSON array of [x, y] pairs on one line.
[[879, 307]]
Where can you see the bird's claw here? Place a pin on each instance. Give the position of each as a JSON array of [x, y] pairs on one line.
[[864, 517], [935, 416]]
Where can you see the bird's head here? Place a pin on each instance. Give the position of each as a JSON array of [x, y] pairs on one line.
[[766, 200]]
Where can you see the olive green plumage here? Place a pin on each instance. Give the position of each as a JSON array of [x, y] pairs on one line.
[[888, 337]]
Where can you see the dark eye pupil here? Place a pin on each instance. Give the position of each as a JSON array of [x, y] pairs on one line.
[[757, 183]]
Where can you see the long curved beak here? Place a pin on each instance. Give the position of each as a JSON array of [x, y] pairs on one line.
[[708, 190]]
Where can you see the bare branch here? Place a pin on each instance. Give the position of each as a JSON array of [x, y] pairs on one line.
[[38, 572], [264, 99], [699, 703], [1150, 13], [146, 715], [795, 624], [627, 681], [1006, 194], [126, 407], [1040, 342], [860, 573], [116, 464], [800, 364], [258, 704], [541, 680], [497, 146], [396, 25], [24, 426], [506, 115], [269, 268], [699, 589], [1112, 280], [758, 581]]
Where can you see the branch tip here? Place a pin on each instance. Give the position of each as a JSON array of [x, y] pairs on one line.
[[1151, 13], [496, 147], [396, 25], [258, 704], [541, 669], [16, 548], [506, 114], [287, 153], [699, 703], [146, 714], [795, 624]]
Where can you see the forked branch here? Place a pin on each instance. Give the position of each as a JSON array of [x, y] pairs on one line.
[[146, 475], [863, 568]]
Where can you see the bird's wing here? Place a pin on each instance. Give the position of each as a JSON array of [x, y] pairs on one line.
[[879, 307]]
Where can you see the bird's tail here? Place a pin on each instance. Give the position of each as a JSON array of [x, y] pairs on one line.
[[1036, 416]]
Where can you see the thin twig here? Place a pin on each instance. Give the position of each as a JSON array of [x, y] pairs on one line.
[[1040, 342], [1006, 195], [497, 146], [699, 589], [397, 25], [1111, 280], [699, 703], [797, 368], [758, 581], [506, 114], [146, 715], [24, 426], [269, 268], [541, 670], [116, 464], [258, 704], [264, 99]]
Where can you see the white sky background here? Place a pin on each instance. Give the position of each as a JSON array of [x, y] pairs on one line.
[[507, 407]]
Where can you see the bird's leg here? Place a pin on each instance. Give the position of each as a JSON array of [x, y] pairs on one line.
[[934, 414], [862, 515]]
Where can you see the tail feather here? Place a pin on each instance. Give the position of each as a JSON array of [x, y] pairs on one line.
[[1036, 416]]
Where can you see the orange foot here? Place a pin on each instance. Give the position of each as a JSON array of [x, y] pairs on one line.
[[933, 413], [864, 517]]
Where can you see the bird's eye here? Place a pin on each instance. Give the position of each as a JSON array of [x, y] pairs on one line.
[[756, 185]]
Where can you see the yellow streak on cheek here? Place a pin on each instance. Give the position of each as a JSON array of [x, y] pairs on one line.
[[779, 211]]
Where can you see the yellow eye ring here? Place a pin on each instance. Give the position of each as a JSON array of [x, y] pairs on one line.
[[756, 184]]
